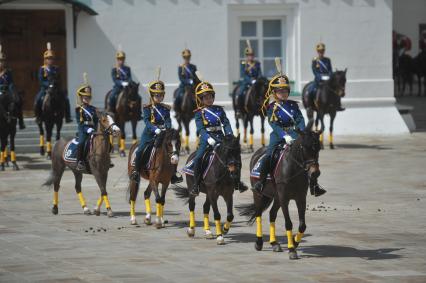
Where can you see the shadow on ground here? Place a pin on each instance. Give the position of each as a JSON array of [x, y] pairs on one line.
[[344, 251]]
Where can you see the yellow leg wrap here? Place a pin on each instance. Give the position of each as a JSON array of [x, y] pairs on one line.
[[2, 157], [330, 138], [134, 141], [263, 139], [251, 139], [41, 140], [186, 140], [49, 147], [111, 140], [272, 237], [218, 227], [122, 144], [100, 201], [290, 243], [191, 219], [12, 156], [132, 208], [206, 222], [81, 199], [158, 210], [245, 136], [258, 226], [161, 210], [321, 138], [55, 198], [5, 154], [227, 225], [148, 205], [299, 237], [106, 200]]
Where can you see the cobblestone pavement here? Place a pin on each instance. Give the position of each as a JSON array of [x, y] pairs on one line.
[[369, 227]]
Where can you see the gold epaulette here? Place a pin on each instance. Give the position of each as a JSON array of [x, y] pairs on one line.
[[147, 105]]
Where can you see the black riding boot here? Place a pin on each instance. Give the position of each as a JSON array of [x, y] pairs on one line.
[[316, 189], [21, 119], [339, 105], [37, 112], [80, 157], [197, 179], [264, 170], [134, 176], [67, 111]]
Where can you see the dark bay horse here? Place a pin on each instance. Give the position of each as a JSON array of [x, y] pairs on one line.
[[161, 170], [52, 114], [98, 164], [220, 180], [254, 98], [127, 109], [420, 70], [185, 113], [9, 104], [290, 182], [326, 102]]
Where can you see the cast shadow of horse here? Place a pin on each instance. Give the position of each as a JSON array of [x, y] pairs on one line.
[[199, 225], [321, 251], [126, 213], [362, 146]]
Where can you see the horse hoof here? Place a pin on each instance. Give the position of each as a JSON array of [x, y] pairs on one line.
[[2, 167], [331, 146], [292, 254], [208, 234], [276, 247], [133, 220], [86, 211], [190, 232], [48, 156], [42, 151], [55, 209], [258, 245], [147, 221], [220, 240], [97, 211], [122, 153], [15, 166], [110, 213]]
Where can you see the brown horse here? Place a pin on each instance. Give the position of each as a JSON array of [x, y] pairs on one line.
[[98, 164], [127, 109], [185, 113], [160, 170]]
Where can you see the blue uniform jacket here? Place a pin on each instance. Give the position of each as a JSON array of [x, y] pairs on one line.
[[156, 116], [186, 73], [249, 72], [45, 73], [87, 118], [321, 67], [208, 118], [121, 74]]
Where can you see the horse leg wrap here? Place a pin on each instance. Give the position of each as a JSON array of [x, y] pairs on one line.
[[206, 222], [191, 219], [218, 227], [161, 210], [263, 139], [148, 206], [55, 198], [12, 156], [330, 138], [2, 159], [245, 136], [106, 200], [49, 146], [272, 237], [81, 199], [227, 226], [186, 141], [122, 144], [99, 203], [41, 140], [321, 138], [259, 227], [111, 140], [251, 139], [132, 208], [5, 154], [158, 210], [299, 237], [290, 243]]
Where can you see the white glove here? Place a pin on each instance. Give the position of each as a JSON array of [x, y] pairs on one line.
[[211, 141], [50, 86], [157, 131], [253, 81], [90, 130], [191, 81], [124, 83], [288, 139]]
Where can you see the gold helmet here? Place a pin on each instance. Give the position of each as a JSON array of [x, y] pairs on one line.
[[202, 88], [2, 55], [120, 53], [320, 46], [156, 86], [279, 81], [49, 52], [84, 89], [186, 53], [248, 50]]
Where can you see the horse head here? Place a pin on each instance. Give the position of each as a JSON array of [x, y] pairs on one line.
[[170, 140], [230, 153], [309, 145], [338, 82], [107, 124]]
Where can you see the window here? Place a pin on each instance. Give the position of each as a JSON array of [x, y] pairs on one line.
[[266, 39]]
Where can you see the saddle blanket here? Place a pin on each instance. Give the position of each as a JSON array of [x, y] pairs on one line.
[[188, 169], [70, 151], [150, 164], [255, 171]]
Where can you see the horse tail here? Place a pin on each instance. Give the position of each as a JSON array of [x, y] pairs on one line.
[[50, 180], [249, 210], [182, 193]]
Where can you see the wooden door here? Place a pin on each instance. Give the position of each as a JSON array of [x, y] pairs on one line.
[[23, 35]]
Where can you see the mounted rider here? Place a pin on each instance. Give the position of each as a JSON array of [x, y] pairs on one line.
[[87, 120], [250, 71], [156, 116], [46, 74], [187, 76], [322, 69], [285, 118], [122, 77], [7, 87], [212, 125]]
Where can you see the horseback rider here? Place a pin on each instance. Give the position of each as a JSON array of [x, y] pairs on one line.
[[321, 67], [46, 74], [157, 119], [87, 120], [285, 117], [122, 77], [250, 71], [210, 120], [187, 76], [6, 85]]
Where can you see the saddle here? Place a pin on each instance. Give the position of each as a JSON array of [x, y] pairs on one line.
[[70, 151], [277, 158], [206, 163]]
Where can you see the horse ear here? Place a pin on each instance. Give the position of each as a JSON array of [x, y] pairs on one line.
[[345, 70]]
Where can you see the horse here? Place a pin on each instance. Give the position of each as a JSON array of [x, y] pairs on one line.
[[127, 109], [405, 73], [52, 113], [98, 163], [328, 94], [254, 98], [420, 70], [297, 166], [220, 180], [164, 158], [9, 108], [185, 113]]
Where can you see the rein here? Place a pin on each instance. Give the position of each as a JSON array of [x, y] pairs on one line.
[[303, 166]]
